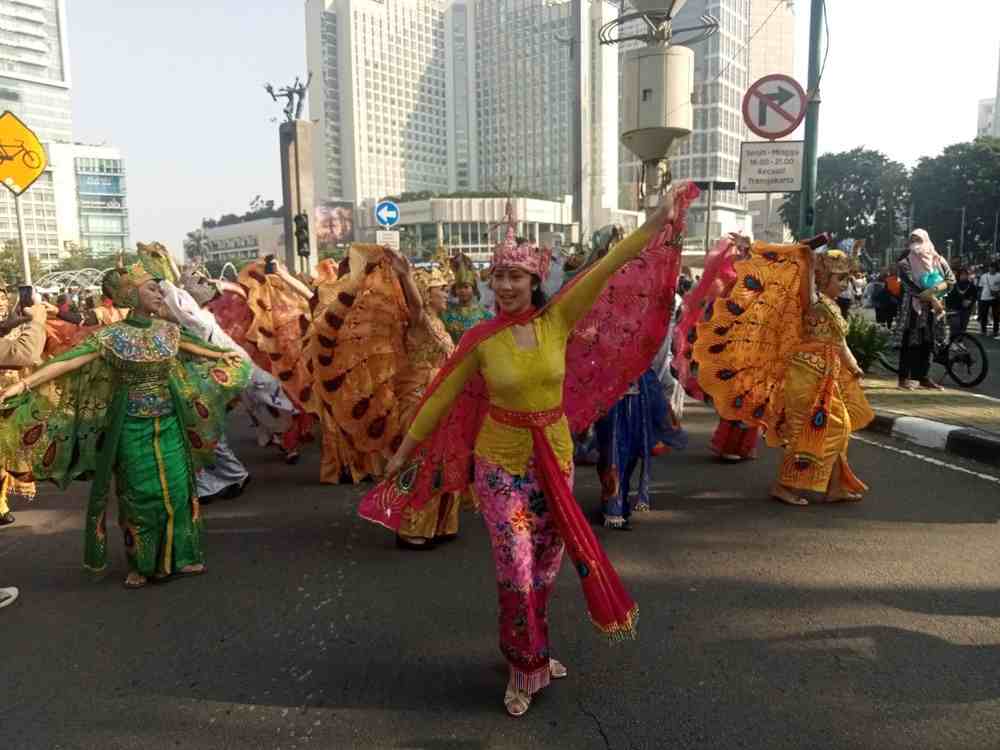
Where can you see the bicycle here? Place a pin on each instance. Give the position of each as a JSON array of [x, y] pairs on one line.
[[29, 158], [962, 356]]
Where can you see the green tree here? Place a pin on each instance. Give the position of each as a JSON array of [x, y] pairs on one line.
[[965, 175], [78, 258], [196, 244], [10, 264], [859, 193]]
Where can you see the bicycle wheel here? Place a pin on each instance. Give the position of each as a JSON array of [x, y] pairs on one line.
[[966, 361], [31, 160]]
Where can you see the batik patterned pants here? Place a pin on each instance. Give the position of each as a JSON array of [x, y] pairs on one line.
[[527, 552]]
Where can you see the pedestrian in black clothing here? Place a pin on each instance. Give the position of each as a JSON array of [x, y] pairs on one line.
[[961, 301]]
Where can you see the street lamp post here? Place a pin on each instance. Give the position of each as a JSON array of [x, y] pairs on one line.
[[961, 239], [996, 227]]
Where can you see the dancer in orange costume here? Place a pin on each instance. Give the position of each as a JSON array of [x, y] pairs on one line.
[[428, 345], [356, 352], [773, 352]]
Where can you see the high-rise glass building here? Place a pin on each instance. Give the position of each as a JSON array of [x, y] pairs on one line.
[[34, 66], [35, 86], [101, 194], [721, 77], [459, 95], [379, 96]]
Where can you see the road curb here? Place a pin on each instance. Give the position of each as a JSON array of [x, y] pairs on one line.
[[977, 445]]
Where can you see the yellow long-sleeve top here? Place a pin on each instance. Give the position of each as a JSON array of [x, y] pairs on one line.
[[527, 380]]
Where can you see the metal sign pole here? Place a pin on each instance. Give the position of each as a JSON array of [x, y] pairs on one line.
[[708, 214], [25, 260], [767, 217], [807, 202]]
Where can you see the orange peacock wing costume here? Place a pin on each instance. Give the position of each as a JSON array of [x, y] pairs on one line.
[[357, 351], [278, 328], [766, 361]]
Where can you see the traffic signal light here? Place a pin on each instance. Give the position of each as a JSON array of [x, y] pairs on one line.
[[301, 222]]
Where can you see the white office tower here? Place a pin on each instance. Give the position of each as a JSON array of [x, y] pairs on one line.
[[34, 66], [35, 86], [459, 95], [996, 103], [712, 151], [527, 68], [378, 97]]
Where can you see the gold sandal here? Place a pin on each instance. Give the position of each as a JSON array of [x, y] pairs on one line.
[[135, 581], [516, 702]]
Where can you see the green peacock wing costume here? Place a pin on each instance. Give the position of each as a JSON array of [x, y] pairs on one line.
[[144, 412]]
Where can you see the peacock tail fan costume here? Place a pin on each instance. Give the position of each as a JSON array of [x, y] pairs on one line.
[[767, 361], [142, 412]]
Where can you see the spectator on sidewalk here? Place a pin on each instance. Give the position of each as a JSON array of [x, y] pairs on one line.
[[961, 301], [989, 299], [20, 348], [917, 320]]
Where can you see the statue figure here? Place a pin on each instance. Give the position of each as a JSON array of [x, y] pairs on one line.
[[295, 96]]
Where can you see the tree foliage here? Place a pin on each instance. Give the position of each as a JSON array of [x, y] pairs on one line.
[[964, 175], [10, 264], [260, 210], [196, 244], [859, 193]]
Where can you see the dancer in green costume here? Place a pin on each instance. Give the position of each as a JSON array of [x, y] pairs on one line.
[[142, 402]]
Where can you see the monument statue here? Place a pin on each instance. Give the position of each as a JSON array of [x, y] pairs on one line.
[[295, 96]]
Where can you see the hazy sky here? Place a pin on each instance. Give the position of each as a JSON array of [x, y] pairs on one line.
[[178, 87]]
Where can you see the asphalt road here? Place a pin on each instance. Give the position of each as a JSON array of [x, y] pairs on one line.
[[873, 625], [990, 386]]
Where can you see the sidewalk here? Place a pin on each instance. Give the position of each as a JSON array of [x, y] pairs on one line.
[[954, 420]]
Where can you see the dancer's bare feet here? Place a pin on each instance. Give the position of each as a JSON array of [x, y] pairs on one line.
[[843, 497], [787, 496], [135, 581], [557, 670]]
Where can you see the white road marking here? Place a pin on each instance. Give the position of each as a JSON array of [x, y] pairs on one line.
[[928, 459]]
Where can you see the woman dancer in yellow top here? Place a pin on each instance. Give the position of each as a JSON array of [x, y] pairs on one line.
[[512, 369]]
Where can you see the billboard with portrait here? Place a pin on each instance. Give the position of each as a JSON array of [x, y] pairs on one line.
[[333, 224]]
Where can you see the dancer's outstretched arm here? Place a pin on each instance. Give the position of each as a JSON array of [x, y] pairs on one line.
[[45, 374]]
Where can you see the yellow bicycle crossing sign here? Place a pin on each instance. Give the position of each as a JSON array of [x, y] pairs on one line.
[[22, 157]]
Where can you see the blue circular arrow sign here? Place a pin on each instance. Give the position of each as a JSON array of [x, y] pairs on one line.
[[387, 213]]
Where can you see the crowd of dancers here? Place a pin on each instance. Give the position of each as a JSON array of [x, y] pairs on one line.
[[446, 388]]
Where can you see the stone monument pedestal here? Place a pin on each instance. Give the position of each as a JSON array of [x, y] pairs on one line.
[[295, 138]]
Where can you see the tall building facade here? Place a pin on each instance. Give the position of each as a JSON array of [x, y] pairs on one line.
[[459, 95], [34, 66], [988, 121], [378, 97], [35, 86], [986, 117], [101, 199], [530, 57], [712, 151]]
